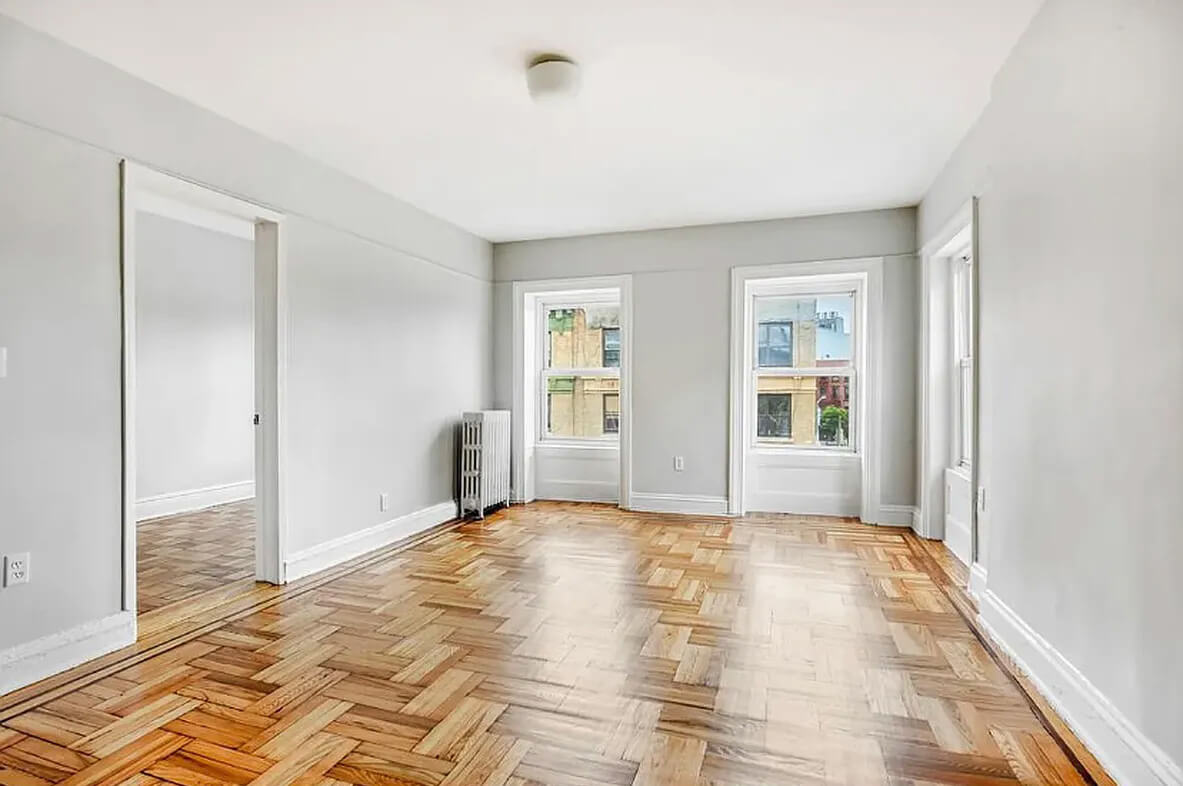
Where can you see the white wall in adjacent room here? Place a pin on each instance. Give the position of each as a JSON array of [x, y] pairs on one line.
[[195, 384], [1079, 168]]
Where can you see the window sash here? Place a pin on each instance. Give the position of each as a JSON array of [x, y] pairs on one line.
[[545, 373], [845, 372]]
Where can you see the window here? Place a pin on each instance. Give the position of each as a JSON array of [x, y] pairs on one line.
[[775, 343], [581, 370], [610, 347], [803, 366], [773, 415], [963, 361], [611, 413]]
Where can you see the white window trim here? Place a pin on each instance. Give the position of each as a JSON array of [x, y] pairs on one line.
[[526, 297], [868, 393]]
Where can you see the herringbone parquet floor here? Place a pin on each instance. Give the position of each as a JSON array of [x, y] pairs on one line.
[[179, 557], [570, 644]]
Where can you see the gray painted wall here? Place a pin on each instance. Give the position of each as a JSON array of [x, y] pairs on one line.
[[195, 377], [681, 344], [1078, 164], [389, 320]]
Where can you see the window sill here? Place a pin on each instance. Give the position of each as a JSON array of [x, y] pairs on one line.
[[801, 450], [576, 444]]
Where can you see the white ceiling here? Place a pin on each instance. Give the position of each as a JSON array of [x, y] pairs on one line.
[[692, 111]]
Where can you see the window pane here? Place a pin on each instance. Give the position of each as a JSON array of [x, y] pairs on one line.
[[804, 410], [804, 331], [582, 406], [575, 337]]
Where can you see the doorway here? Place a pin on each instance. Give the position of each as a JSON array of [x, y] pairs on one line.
[[202, 365]]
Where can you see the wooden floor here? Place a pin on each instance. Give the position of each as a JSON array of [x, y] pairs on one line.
[[183, 556], [569, 644]]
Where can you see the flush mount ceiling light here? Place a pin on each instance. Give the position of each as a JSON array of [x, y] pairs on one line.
[[552, 77]]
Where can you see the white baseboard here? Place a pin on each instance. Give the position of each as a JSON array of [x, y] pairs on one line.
[[917, 521], [977, 581], [897, 515], [326, 555], [26, 663], [194, 499], [1124, 751], [689, 504]]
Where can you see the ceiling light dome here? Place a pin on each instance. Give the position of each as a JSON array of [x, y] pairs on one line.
[[552, 77]]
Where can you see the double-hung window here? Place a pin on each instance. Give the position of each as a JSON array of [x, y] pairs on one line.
[[803, 365], [963, 357], [580, 376]]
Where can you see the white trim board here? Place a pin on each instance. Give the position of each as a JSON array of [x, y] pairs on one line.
[[35, 660], [325, 555], [1122, 749], [685, 504], [194, 499]]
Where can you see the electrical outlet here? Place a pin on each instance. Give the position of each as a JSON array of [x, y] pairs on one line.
[[679, 463], [383, 502], [981, 499], [16, 569]]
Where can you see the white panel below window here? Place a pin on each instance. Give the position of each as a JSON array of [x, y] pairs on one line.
[[577, 474], [817, 483], [959, 513]]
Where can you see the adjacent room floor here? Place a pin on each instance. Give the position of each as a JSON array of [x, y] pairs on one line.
[[569, 644], [181, 557]]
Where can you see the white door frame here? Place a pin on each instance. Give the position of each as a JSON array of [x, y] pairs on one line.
[[935, 370], [525, 415], [147, 190], [870, 387]]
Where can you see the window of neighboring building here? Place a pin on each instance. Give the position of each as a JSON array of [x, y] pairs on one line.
[[610, 346], [773, 415], [774, 343], [803, 365], [580, 347], [963, 360], [611, 413]]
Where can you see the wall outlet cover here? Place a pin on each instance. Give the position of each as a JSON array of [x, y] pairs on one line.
[[383, 502], [679, 463], [16, 569]]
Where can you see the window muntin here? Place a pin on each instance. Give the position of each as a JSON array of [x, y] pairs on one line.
[[803, 368], [580, 375]]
